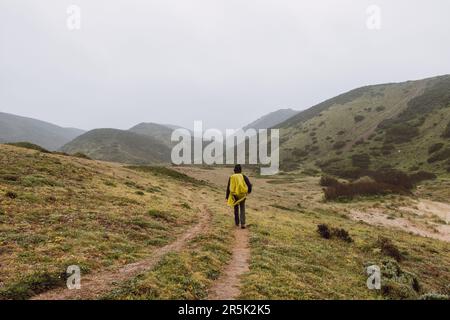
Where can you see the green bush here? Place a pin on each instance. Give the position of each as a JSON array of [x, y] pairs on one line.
[[397, 283]]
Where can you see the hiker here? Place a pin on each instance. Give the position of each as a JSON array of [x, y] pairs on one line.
[[238, 188]]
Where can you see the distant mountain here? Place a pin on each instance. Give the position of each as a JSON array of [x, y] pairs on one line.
[[17, 129], [120, 146], [272, 119], [159, 132], [399, 125]]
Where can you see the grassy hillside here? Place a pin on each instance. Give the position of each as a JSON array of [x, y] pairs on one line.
[[119, 146], [402, 125], [56, 211], [20, 129]]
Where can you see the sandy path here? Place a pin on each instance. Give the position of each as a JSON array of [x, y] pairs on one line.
[[227, 287], [93, 286]]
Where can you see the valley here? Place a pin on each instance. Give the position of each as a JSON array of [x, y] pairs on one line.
[[155, 233]]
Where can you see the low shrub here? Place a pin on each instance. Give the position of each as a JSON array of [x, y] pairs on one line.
[[359, 118], [324, 231], [11, 195], [341, 234], [339, 145], [389, 249], [327, 233], [435, 147], [327, 181], [352, 189], [397, 283], [440, 156]]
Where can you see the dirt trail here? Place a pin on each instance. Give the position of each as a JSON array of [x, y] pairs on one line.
[[227, 286], [93, 286]]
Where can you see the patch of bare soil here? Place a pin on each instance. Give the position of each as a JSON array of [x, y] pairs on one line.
[[421, 220], [93, 286], [227, 287]]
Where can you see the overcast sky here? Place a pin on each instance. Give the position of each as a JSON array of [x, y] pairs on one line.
[[226, 62]]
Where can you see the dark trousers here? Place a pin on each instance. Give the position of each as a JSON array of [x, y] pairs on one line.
[[239, 213]]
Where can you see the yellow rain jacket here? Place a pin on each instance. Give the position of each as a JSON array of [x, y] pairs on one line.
[[238, 189]]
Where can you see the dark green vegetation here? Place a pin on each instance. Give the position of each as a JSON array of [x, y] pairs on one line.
[[400, 125], [368, 183], [51, 137]]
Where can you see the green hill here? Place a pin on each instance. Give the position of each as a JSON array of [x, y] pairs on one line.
[[49, 136], [400, 125], [157, 131], [119, 146]]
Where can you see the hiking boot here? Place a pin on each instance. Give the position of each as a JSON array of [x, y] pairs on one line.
[[243, 227]]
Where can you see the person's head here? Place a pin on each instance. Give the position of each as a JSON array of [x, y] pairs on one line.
[[237, 168]]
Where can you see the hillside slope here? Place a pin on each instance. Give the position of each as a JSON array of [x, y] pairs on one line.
[[401, 125], [157, 131], [57, 211], [17, 129], [272, 119], [119, 146]]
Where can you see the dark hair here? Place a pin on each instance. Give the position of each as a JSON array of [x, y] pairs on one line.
[[237, 168]]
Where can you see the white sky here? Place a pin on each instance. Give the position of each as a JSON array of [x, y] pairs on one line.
[[226, 62]]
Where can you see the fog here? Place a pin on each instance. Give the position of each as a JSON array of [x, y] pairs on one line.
[[225, 62]]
